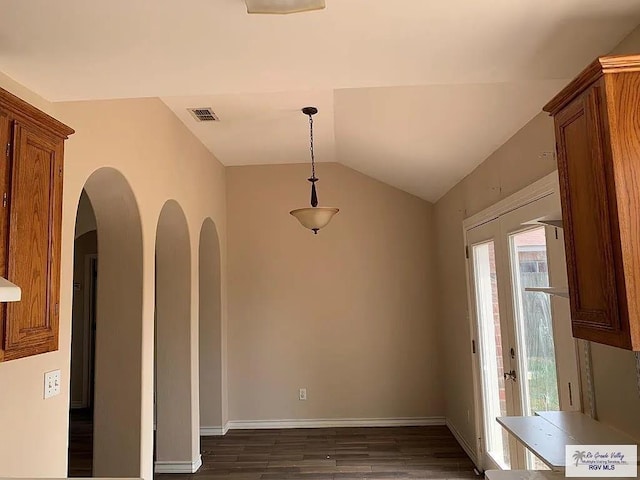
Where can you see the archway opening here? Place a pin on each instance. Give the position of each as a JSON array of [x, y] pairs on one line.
[[85, 261], [177, 446], [210, 330], [107, 328]]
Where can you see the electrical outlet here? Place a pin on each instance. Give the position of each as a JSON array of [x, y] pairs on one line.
[[52, 384], [302, 394]]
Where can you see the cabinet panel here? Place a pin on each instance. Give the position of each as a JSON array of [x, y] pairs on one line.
[[584, 168], [31, 326], [30, 225], [597, 119]]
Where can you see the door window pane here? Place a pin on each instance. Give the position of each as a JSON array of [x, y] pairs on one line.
[[491, 360], [534, 328]]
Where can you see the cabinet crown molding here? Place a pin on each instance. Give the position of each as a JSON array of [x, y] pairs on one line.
[[597, 68], [24, 111]]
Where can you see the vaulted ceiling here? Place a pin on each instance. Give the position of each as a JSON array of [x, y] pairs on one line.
[[414, 93]]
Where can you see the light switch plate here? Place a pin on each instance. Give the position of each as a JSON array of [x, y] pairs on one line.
[[52, 384]]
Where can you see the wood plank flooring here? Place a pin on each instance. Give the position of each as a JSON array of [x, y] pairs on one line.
[[332, 454], [80, 443]]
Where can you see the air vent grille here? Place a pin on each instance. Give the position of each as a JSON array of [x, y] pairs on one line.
[[203, 114]]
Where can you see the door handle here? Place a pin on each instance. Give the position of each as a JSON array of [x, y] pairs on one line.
[[510, 375]]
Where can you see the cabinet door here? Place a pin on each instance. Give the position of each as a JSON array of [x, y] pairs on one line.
[[33, 263], [588, 207]]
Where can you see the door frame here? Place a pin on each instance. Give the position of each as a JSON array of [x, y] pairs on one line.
[[544, 187], [492, 235], [91, 260]]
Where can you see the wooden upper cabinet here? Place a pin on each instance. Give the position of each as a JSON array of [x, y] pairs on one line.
[[597, 126], [30, 226]]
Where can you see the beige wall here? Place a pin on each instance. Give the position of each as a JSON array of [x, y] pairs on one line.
[[117, 429], [516, 164], [176, 394], [210, 328], [161, 160], [25, 94], [348, 314]]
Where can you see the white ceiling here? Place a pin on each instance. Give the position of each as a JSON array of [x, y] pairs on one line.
[[412, 92]]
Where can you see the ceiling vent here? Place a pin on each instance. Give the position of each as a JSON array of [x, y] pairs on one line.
[[203, 114]]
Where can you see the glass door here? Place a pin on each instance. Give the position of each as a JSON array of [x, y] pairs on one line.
[[534, 329], [526, 360], [541, 322], [494, 365]]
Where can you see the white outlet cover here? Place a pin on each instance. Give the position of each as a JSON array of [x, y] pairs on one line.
[[52, 384], [302, 394]]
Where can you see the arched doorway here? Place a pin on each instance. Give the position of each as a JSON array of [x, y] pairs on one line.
[[85, 253], [116, 399], [177, 444], [210, 327]]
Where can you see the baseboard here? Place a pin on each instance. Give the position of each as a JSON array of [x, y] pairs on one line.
[[463, 443], [335, 422], [162, 466], [212, 431]]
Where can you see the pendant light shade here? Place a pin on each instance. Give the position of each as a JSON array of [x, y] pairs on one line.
[[314, 218], [283, 6]]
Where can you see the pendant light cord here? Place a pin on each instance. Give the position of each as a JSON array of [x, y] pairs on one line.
[[314, 194], [313, 157]]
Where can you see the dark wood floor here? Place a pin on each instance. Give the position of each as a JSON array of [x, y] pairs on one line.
[[332, 453], [306, 454], [80, 443]]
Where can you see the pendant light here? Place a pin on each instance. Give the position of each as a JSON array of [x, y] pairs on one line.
[[314, 217]]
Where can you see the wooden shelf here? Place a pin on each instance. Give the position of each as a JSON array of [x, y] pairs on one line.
[[553, 223], [557, 291], [586, 430], [553, 220], [545, 440], [547, 433]]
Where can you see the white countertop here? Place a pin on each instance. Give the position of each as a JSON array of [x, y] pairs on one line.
[[547, 433]]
